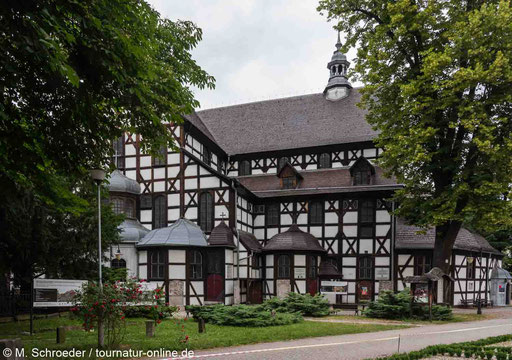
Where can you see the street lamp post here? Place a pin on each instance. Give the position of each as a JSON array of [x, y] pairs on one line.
[[98, 175]]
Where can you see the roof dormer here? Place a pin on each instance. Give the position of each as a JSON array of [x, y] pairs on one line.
[[362, 172], [290, 177]]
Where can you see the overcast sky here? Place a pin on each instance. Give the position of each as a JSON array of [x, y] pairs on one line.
[[257, 49]]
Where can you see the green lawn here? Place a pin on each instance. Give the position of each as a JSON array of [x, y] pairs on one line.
[[456, 318], [168, 334]]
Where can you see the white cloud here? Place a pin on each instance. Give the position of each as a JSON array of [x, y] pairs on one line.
[[257, 49]]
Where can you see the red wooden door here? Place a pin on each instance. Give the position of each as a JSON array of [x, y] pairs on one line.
[[255, 293], [214, 287], [312, 286]]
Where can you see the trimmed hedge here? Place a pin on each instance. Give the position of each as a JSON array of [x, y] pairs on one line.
[[148, 312], [393, 306], [470, 349], [242, 315]]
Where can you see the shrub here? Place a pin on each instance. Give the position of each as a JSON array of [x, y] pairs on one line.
[[392, 305], [242, 315], [306, 305], [149, 311]]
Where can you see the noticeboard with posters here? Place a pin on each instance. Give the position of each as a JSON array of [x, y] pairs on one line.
[[55, 292]]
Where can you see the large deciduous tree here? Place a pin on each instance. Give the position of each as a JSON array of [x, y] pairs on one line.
[[74, 76], [438, 87]]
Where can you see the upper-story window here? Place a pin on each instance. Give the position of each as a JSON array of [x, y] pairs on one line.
[[207, 155], [146, 202], [156, 264], [362, 172], [470, 268], [159, 212], [161, 158], [206, 211], [312, 267], [316, 213], [124, 206], [244, 167], [289, 182], [324, 161], [365, 268], [196, 265], [366, 218], [119, 153], [282, 162], [272, 216], [118, 264]]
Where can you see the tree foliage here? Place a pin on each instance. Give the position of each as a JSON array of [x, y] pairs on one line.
[[438, 88]]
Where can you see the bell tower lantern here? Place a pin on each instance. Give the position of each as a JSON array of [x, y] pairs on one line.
[[338, 86]]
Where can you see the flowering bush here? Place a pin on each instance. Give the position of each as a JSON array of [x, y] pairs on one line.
[[110, 305]]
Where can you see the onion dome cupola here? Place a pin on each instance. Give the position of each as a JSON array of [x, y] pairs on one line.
[[293, 240], [338, 86], [221, 236], [182, 233], [123, 198]]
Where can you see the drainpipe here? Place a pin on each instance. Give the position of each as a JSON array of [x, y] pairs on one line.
[[392, 270]]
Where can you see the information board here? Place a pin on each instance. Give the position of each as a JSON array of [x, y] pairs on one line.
[[55, 292]]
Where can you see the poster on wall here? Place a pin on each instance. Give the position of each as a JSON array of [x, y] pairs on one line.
[[300, 273], [421, 293], [55, 292], [382, 273]]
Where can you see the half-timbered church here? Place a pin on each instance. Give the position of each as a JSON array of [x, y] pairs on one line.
[[276, 196]]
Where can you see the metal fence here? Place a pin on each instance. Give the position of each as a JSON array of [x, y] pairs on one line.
[[13, 304]]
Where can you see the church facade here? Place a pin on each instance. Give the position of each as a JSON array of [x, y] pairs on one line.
[[277, 196]]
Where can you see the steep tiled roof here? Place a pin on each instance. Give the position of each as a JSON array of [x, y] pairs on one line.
[[315, 182], [407, 237], [249, 241], [293, 239], [288, 123]]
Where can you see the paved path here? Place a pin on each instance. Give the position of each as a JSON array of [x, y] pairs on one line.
[[362, 346]]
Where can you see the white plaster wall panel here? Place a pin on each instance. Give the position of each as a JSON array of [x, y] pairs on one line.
[[350, 217], [382, 230], [459, 260], [334, 246], [301, 284], [159, 173], [189, 148], [382, 216], [173, 158], [129, 149], [130, 162], [229, 255], [229, 287], [173, 199], [408, 271], [259, 220], [457, 299], [311, 167], [243, 272], [348, 274], [204, 171], [145, 216], [191, 170], [369, 153], [143, 256], [209, 182], [400, 286], [303, 228], [271, 232], [270, 284], [145, 161], [259, 233], [316, 231], [302, 219], [145, 174], [349, 261], [221, 211], [177, 272], [159, 186], [130, 256], [366, 246], [381, 261], [214, 159], [199, 286], [194, 301], [351, 298], [143, 272], [300, 260], [270, 260], [269, 273], [351, 287], [336, 165], [350, 230], [132, 174], [331, 231], [148, 226], [387, 245], [286, 219], [345, 246], [191, 184], [177, 256], [402, 259], [376, 287], [331, 218], [191, 213]]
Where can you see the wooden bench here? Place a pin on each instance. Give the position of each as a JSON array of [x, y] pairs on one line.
[[472, 302], [358, 308]]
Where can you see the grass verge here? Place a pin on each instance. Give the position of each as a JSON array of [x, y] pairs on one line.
[[169, 333], [456, 318]]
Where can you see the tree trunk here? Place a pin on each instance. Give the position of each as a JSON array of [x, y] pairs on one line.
[[101, 333], [445, 239]]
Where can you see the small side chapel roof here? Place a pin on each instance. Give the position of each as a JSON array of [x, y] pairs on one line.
[[221, 235], [182, 233], [118, 182], [293, 239]]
